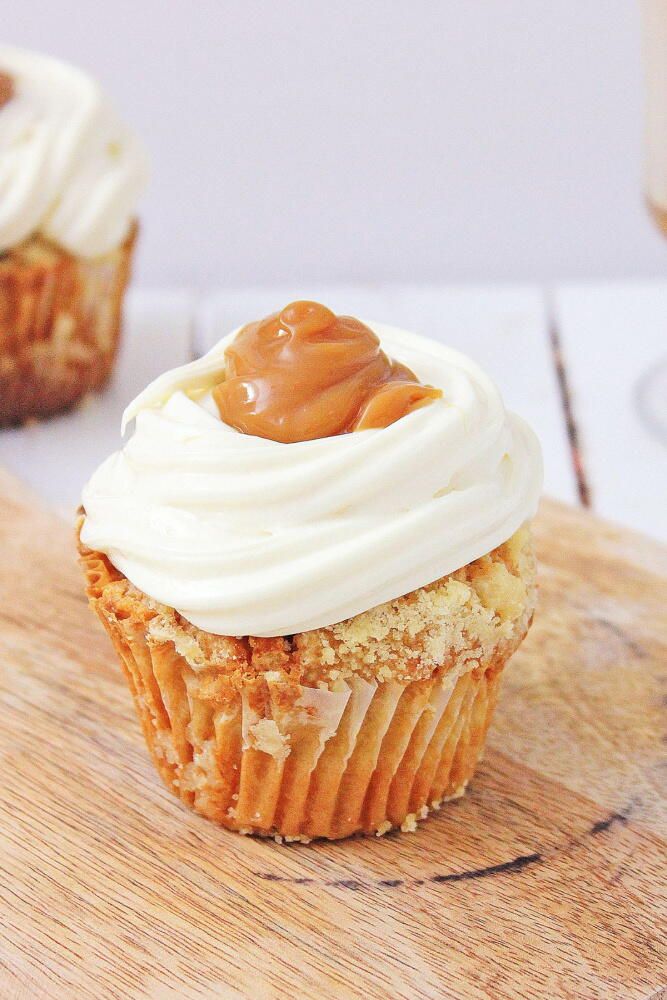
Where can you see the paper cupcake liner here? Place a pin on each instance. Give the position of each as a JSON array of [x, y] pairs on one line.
[[276, 758], [60, 319]]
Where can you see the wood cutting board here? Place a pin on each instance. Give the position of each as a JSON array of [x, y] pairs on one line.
[[545, 881]]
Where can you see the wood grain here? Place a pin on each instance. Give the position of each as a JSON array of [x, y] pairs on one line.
[[543, 882]]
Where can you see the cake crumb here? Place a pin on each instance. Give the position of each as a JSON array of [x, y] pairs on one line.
[[264, 735], [409, 824], [458, 793]]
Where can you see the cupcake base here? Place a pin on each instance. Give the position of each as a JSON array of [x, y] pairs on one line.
[[314, 764], [60, 320], [236, 733]]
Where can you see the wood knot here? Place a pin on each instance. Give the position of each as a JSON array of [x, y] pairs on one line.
[[6, 88]]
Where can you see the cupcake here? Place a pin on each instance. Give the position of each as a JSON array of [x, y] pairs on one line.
[[313, 559], [70, 177]]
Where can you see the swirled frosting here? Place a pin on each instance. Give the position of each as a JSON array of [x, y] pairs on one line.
[[249, 536], [69, 169]]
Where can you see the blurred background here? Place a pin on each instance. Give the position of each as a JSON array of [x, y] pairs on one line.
[[374, 141], [473, 171]]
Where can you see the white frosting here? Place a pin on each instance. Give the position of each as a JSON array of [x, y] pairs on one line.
[[69, 169], [248, 536]]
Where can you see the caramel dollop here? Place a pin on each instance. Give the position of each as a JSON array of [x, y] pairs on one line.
[[305, 373], [6, 88]]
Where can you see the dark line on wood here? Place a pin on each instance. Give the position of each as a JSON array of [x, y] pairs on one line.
[[574, 438], [613, 628], [633, 646], [517, 864], [506, 866], [605, 824]]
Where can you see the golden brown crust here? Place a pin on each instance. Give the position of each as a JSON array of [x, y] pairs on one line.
[[465, 619], [323, 734], [60, 319]]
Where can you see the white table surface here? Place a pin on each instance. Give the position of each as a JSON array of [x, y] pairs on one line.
[[611, 337]]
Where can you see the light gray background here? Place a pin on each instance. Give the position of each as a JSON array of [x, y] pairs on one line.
[[437, 140]]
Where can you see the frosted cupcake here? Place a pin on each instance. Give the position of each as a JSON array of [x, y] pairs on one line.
[[313, 559], [70, 178]]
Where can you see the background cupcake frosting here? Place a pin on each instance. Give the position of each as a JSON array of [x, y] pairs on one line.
[[243, 535], [70, 170]]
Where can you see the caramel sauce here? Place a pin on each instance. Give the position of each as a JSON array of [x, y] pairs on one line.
[[305, 373], [6, 88]]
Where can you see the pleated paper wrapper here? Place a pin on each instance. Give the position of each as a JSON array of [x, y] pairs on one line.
[[276, 758], [60, 321]]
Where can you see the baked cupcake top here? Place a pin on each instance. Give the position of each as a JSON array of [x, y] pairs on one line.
[[70, 171], [247, 535]]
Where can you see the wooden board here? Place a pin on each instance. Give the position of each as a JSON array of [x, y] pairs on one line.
[[543, 882]]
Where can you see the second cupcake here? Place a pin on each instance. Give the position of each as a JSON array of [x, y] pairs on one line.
[[70, 178]]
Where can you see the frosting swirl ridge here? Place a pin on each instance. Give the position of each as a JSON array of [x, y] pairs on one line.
[[69, 169], [245, 535]]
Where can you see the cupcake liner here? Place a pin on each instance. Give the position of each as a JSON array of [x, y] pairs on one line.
[[60, 319], [270, 756]]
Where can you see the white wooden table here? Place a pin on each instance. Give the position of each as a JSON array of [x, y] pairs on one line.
[[595, 412]]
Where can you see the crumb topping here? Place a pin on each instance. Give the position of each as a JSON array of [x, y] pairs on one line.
[[458, 623]]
